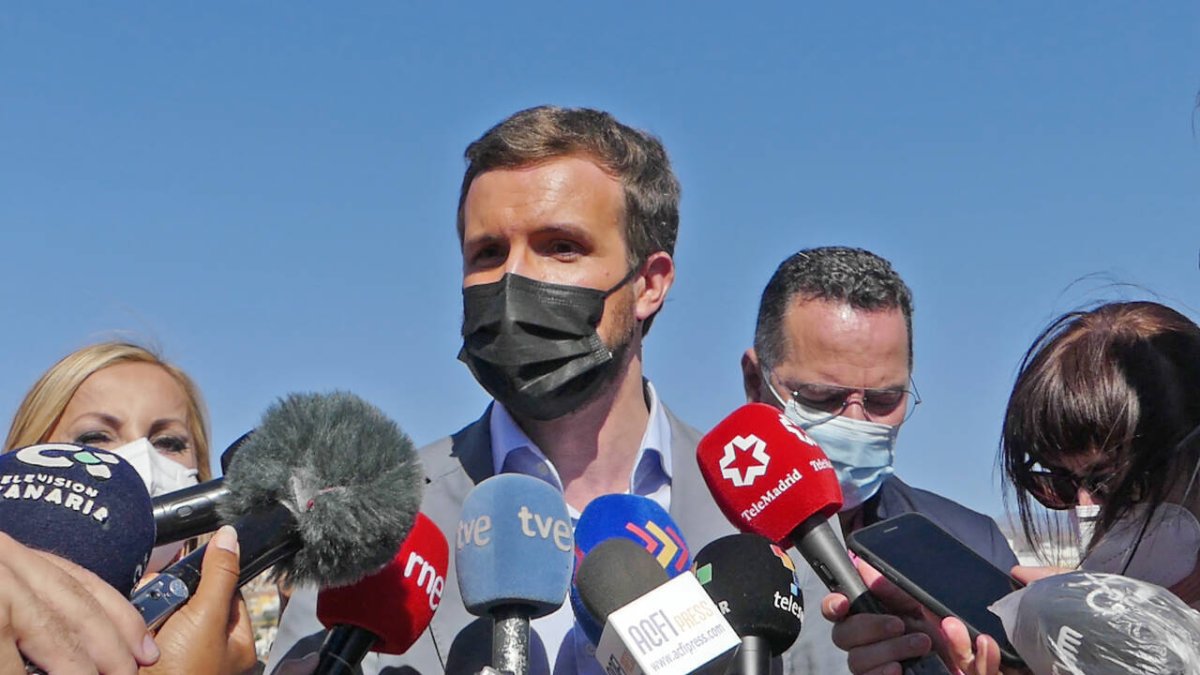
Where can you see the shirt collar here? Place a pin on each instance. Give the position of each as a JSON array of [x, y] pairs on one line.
[[652, 466]]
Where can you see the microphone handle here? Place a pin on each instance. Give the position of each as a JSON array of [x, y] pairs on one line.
[[816, 541], [343, 649], [752, 658], [265, 537], [189, 512], [510, 639]]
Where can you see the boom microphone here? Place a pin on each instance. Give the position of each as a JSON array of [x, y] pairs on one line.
[[631, 517], [512, 554], [754, 584], [83, 504], [387, 611], [325, 490]]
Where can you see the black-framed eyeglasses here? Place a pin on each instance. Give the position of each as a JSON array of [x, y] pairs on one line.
[[876, 403], [1058, 489]]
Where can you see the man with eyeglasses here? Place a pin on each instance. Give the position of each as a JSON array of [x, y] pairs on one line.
[[833, 350]]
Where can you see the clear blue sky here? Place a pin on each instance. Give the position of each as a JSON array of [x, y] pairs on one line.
[[267, 190]]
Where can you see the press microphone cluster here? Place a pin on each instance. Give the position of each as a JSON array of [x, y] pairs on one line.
[[325, 490]]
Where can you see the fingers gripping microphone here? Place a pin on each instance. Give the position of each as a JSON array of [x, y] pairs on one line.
[[754, 584], [80, 503], [387, 611], [631, 517], [513, 559], [325, 490]]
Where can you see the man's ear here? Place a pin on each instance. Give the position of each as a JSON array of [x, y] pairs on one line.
[[658, 273], [752, 376]]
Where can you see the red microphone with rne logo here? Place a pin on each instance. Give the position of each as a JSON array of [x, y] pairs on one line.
[[387, 611]]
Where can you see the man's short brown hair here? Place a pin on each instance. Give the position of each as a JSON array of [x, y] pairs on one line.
[[634, 157]]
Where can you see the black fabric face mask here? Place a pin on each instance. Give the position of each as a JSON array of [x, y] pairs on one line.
[[533, 345]]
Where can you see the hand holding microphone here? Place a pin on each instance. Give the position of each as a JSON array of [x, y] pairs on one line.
[[84, 515], [211, 634], [63, 618]]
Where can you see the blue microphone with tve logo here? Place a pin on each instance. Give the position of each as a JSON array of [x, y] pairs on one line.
[[513, 556]]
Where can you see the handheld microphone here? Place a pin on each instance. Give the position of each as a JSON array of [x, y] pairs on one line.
[[387, 611], [192, 511], [325, 490], [513, 559], [770, 478], [631, 517], [754, 584], [80, 503], [652, 624], [613, 574]]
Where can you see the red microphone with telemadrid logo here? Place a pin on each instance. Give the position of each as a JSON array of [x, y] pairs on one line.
[[772, 479]]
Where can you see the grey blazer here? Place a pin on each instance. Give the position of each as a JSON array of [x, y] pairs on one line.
[[459, 643]]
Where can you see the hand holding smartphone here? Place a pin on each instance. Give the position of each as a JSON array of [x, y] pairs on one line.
[[941, 572]]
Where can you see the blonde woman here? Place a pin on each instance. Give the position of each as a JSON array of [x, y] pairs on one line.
[[111, 394], [124, 398]]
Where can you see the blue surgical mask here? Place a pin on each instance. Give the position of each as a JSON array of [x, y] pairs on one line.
[[863, 453]]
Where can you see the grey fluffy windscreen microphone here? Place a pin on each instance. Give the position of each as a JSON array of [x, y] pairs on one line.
[[325, 490]]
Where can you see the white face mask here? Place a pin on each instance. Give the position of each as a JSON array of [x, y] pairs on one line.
[[161, 476], [1165, 555]]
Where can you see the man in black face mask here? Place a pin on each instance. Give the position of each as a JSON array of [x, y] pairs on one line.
[[567, 220]]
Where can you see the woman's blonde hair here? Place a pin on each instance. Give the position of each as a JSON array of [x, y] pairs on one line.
[[43, 406]]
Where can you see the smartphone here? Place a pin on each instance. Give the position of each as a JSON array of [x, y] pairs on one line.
[[940, 571]]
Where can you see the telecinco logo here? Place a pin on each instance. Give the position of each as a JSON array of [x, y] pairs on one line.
[[749, 452], [92, 460]]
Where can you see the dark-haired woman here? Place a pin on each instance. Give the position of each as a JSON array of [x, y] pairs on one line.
[[1103, 419]]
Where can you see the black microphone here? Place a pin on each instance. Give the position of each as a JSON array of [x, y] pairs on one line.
[[613, 574], [192, 511], [754, 584], [325, 490], [650, 623]]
